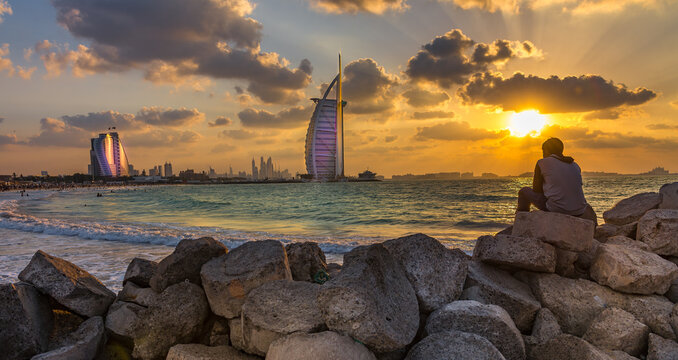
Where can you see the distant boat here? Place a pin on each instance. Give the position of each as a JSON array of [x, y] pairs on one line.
[[367, 175]]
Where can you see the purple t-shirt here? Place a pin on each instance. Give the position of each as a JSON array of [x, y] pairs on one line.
[[562, 186]]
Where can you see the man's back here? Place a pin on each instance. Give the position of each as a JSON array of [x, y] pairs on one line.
[[562, 185]]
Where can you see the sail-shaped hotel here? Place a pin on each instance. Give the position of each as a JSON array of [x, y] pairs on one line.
[[325, 136], [108, 156]]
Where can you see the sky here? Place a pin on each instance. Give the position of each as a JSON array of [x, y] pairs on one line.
[[431, 85]]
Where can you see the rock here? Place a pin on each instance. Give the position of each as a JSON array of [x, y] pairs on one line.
[[132, 293], [489, 321], [305, 260], [629, 270], [631, 209], [545, 326], [65, 323], [489, 285], [122, 318], [669, 193], [661, 349], [652, 310], [140, 271], [229, 278], [658, 229], [322, 345], [454, 345], [25, 321], [215, 331], [627, 241], [585, 258], [436, 273], [560, 230], [565, 264], [605, 231], [371, 300], [567, 347], [619, 355], [185, 262], [68, 284], [672, 294], [276, 309], [202, 352], [84, 343], [333, 269], [516, 252], [616, 329]]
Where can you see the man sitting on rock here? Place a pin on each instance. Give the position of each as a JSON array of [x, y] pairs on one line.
[[557, 184]]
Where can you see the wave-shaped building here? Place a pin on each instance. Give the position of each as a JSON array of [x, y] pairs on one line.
[[108, 156], [325, 137]]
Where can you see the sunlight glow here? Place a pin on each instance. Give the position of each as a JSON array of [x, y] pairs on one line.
[[529, 122]]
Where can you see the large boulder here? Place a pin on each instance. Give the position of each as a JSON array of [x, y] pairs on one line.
[[652, 310], [661, 349], [371, 300], [630, 270], [562, 231], [489, 285], [566, 264], [276, 309], [624, 240], [669, 193], [454, 345], [185, 262], [585, 258], [202, 352], [616, 329], [306, 260], [83, 344], [567, 347], [140, 271], [658, 229], [516, 252], [436, 272], [605, 231], [68, 284], [545, 326], [123, 317], [229, 278], [132, 293], [25, 321], [489, 321], [322, 345], [631, 209]]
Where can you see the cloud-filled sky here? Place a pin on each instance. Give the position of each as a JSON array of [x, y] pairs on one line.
[[431, 85]]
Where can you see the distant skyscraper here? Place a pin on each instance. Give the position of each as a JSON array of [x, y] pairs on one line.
[[255, 175], [262, 169], [230, 171], [269, 168], [108, 156], [168, 170]]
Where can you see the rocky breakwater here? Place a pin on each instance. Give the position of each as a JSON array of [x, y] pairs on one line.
[[551, 287]]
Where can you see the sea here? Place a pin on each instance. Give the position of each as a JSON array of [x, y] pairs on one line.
[[103, 234]]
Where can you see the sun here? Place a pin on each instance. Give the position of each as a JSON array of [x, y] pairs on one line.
[[529, 122]]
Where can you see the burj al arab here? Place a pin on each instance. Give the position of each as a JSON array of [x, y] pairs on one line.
[[325, 136]]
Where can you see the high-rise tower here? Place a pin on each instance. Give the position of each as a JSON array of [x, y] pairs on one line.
[[108, 156]]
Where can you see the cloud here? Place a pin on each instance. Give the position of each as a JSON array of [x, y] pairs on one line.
[[424, 115], [100, 121], [451, 58], [286, 119], [5, 9], [354, 6], [596, 139], [418, 97], [239, 134], [457, 130], [160, 116], [550, 95], [368, 88], [8, 139], [156, 138], [220, 121], [55, 132], [390, 138], [674, 104], [662, 127], [1, 119], [580, 7], [221, 148], [6, 65]]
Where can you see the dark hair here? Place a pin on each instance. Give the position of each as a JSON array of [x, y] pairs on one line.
[[553, 146]]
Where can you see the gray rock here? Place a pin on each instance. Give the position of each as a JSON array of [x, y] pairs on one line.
[[322, 345], [132, 293], [631, 209], [202, 352], [516, 252], [658, 229], [674, 319], [84, 343], [436, 272], [669, 193], [565, 264], [25, 321], [619, 355], [489, 285], [65, 323], [567, 347], [229, 278], [333, 269], [630, 270], [605, 231], [560, 230], [489, 321], [371, 300], [140, 271], [661, 349], [627, 241], [68, 284], [185, 262], [545, 326], [454, 345], [215, 332], [585, 258], [616, 329], [276, 309], [123, 317], [672, 294], [652, 310], [305, 260]]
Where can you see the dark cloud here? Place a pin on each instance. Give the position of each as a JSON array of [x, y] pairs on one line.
[[662, 127], [159, 116], [286, 119], [239, 134], [417, 97], [354, 6], [368, 88], [550, 95], [607, 114], [220, 121], [424, 115], [100, 121], [1, 119], [8, 139], [391, 138], [457, 130], [55, 132], [444, 60]]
